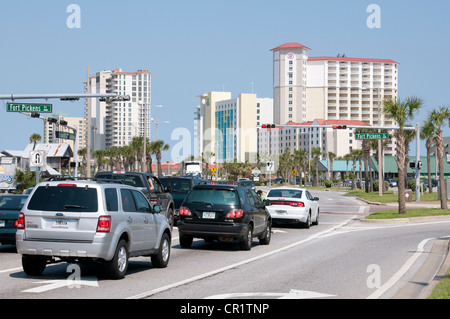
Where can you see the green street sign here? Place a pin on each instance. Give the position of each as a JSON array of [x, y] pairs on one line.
[[31, 108], [66, 135], [372, 136]]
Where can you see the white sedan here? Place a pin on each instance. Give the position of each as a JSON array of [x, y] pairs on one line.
[[293, 205]]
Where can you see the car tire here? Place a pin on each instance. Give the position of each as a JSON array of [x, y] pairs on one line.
[[171, 217], [267, 235], [33, 265], [186, 241], [307, 224], [161, 259], [246, 243], [316, 222], [117, 267]]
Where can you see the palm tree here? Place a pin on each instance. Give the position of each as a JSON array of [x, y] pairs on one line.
[[427, 133], [437, 118], [34, 138], [158, 147], [331, 157], [316, 153], [401, 112]]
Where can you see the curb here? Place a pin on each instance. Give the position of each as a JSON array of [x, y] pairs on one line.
[[408, 220]]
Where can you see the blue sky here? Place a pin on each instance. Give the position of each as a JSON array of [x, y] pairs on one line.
[[192, 47]]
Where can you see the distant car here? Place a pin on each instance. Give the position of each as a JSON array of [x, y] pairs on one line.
[[293, 205], [180, 187], [434, 182], [246, 183], [392, 182], [225, 213], [278, 181], [90, 221], [10, 206]]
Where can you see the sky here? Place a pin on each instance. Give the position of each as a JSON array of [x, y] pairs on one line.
[[193, 47]]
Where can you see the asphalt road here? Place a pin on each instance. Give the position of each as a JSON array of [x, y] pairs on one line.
[[341, 258]]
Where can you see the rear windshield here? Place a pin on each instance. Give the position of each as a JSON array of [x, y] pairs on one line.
[[131, 180], [12, 202], [213, 196], [64, 199], [177, 184], [289, 193]]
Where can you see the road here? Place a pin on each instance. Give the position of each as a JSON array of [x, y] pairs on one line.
[[340, 258]]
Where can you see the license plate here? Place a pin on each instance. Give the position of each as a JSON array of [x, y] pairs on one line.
[[2, 223], [281, 212], [60, 223], [209, 215]]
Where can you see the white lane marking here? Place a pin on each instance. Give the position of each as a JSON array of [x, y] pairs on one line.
[[10, 270], [220, 270], [292, 294], [399, 274]]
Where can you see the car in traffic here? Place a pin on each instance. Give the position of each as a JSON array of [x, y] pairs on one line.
[[293, 205], [392, 182], [149, 185], [180, 187], [10, 206], [90, 221], [225, 213], [434, 182], [246, 183]]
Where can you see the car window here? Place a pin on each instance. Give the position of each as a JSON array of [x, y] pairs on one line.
[[64, 198], [12, 202], [257, 199], [250, 198], [112, 204], [213, 196], [128, 204], [156, 185], [289, 193], [177, 184], [141, 202], [308, 195]]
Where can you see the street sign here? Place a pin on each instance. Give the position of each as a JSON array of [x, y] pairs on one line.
[[256, 172], [66, 135], [372, 136], [270, 166], [213, 170], [27, 107], [294, 172], [37, 158]]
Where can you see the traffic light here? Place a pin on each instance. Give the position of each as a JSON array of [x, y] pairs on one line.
[[413, 165], [269, 126], [35, 115], [339, 127]]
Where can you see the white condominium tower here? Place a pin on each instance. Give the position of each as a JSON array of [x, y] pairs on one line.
[[289, 83], [115, 123]]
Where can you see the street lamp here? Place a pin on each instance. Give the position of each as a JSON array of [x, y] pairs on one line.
[[145, 105]]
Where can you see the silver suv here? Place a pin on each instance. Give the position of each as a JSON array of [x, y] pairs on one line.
[[79, 221]]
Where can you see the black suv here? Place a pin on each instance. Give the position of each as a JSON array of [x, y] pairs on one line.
[[159, 195], [226, 213]]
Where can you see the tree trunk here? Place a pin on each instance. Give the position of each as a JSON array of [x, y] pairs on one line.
[[440, 152], [401, 171]]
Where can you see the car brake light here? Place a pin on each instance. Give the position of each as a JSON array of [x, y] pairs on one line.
[[67, 185], [235, 213], [20, 223], [104, 224], [297, 204], [282, 202], [184, 211]]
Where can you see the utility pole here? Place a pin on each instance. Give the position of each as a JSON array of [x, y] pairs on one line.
[[88, 126]]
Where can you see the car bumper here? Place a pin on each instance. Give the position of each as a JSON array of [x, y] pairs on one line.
[[284, 214], [235, 230], [8, 236], [99, 248]]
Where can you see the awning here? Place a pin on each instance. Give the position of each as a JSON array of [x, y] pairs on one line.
[[52, 172]]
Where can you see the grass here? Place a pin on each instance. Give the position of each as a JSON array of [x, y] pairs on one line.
[[423, 212], [442, 289]]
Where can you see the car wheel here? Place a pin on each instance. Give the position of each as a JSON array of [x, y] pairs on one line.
[[316, 222], [117, 267], [186, 241], [246, 244], [171, 217], [267, 235], [161, 259], [33, 265], [307, 224]]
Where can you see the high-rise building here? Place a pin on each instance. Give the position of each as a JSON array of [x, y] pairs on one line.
[[332, 88], [290, 82], [115, 123], [227, 128]]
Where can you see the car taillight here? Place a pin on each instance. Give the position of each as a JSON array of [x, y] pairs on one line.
[[297, 204], [282, 202], [184, 211], [20, 223], [235, 213], [104, 224]]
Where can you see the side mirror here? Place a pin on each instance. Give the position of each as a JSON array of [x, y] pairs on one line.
[[316, 198], [167, 189], [266, 202], [156, 209]]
